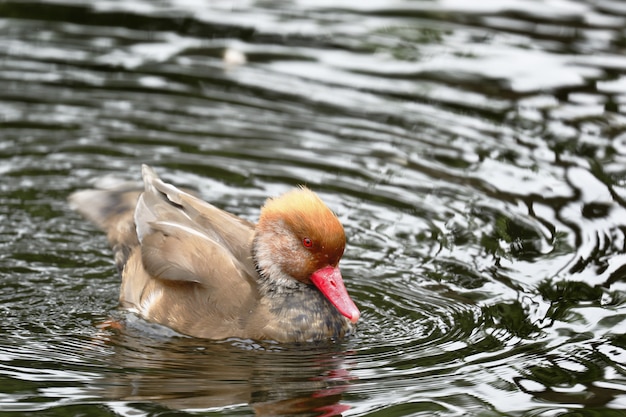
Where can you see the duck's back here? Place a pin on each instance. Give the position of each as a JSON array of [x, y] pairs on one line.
[[184, 263]]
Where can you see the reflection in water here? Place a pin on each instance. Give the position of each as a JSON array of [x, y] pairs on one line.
[[474, 152], [191, 374]]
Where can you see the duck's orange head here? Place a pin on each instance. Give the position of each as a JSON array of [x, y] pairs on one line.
[[300, 237]]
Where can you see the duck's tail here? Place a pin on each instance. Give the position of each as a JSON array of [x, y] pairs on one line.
[[111, 206]]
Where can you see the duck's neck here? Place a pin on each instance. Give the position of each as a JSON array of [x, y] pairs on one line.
[[305, 313], [273, 281], [268, 263], [302, 308]]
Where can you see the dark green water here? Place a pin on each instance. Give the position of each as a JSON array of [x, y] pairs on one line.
[[475, 153]]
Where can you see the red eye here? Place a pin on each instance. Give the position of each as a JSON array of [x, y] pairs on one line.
[[307, 242]]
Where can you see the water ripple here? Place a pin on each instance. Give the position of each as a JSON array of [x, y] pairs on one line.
[[474, 153]]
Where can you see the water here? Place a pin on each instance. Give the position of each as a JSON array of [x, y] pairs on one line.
[[475, 154]]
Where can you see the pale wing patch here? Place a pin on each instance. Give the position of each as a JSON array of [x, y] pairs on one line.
[[150, 301]]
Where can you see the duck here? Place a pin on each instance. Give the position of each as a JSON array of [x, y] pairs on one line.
[[204, 272]]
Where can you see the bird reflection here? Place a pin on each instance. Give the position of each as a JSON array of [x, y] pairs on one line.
[[195, 374]]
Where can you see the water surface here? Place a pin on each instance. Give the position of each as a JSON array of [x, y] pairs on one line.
[[475, 153]]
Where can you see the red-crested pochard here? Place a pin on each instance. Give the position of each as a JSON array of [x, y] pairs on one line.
[[207, 273]]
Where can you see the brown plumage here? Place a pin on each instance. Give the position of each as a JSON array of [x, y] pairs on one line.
[[204, 272]]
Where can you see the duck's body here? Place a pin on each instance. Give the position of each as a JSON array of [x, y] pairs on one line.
[[207, 273]]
